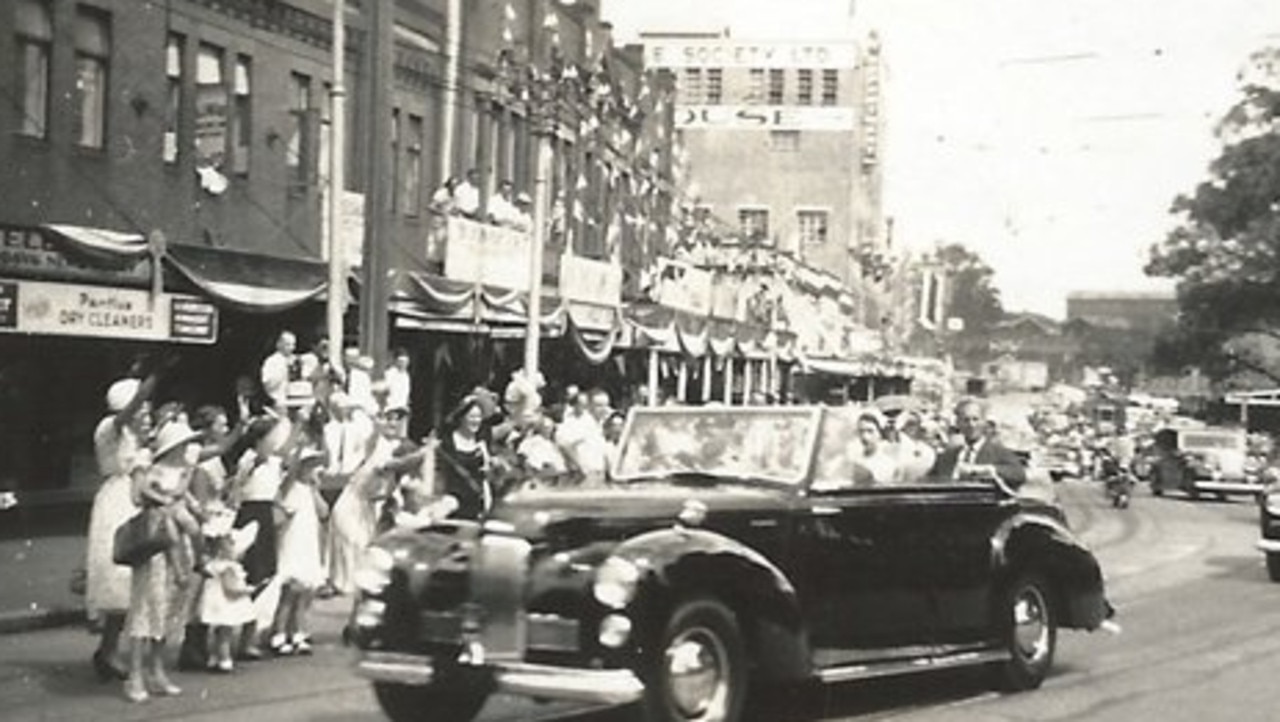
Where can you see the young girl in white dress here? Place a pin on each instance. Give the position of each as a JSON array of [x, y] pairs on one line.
[[299, 568], [225, 601]]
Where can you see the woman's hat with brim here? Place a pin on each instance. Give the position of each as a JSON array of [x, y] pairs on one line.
[[120, 393], [173, 435]]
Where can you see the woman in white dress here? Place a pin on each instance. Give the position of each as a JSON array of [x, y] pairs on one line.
[[875, 463], [120, 449]]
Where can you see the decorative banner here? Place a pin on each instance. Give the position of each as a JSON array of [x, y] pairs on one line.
[[585, 279], [482, 253], [64, 309], [765, 117], [724, 53], [26, 251]]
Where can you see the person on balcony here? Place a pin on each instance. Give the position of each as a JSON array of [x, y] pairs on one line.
[[466, 196], [502, 209]]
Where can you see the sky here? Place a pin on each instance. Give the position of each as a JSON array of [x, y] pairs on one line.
[[1049, 137]]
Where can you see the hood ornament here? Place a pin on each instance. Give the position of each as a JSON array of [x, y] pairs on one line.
[[693, 514]]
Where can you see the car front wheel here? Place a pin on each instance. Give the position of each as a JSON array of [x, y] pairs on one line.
[[1028, 630], [1273, 567], [436, 702], [698, 670]]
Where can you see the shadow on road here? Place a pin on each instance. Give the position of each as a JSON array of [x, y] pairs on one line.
[[1244, 568]]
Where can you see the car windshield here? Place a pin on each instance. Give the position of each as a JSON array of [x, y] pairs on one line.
[[743, 444], [1203, 441]]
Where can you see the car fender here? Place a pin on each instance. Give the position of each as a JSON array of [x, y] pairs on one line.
[[1030, 541], [679, 562]]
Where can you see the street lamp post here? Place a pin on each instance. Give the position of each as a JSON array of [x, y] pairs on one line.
[[335, 305], [544, 125]]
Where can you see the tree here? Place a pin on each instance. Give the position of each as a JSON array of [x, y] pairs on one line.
[[971, 296], [1225, 254]]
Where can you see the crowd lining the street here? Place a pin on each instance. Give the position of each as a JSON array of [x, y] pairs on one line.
[[258, 517]]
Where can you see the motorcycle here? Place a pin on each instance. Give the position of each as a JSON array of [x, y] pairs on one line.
[[1118, 481]]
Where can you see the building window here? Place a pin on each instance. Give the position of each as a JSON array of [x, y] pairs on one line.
[[242, 114], [34, 44], [813, 226], [755, 86], [413, 167], [830, 86], [211, 107], [753, 223], [691, 89], [804, 87], [784, 140], [93, 59], [174, 61], [299, 108], [777, 85], [396, 178], [715, 86]]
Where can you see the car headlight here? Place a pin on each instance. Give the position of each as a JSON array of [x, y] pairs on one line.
[[374, 572], [616, 582], [1273, 504]]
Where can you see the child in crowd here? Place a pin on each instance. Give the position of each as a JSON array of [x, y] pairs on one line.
[[299, 567], [225, 602]]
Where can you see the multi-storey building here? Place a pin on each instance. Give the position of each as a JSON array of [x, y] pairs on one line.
[[167, 170], [783, 142]]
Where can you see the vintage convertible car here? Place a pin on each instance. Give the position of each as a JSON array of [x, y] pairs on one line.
[[731, 549]]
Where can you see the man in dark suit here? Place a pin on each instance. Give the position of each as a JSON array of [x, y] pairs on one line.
[[980, 455]]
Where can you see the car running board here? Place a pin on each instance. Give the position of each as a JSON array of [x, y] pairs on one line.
[[914, 665]]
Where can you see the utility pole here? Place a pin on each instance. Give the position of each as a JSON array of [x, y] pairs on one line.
[[374, 327], [545, 125], [336, 303]]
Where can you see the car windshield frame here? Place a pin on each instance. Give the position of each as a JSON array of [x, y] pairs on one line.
[[794, 476], [1218, 441]]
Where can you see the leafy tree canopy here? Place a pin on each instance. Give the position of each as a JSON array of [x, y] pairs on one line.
[[1225, 254]]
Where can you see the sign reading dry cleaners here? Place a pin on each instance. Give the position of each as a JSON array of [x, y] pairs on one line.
[[64, 309]]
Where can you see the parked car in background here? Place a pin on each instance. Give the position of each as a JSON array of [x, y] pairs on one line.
[[734, 548], [1209, 460]]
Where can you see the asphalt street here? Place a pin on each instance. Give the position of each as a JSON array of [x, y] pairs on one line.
[[1197, 611]]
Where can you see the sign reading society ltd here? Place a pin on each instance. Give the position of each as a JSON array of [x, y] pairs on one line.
[[64, 309]]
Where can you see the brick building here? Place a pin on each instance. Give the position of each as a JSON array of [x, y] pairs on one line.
[[166, 174]]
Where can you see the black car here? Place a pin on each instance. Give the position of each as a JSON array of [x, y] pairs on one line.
[[731, 549]]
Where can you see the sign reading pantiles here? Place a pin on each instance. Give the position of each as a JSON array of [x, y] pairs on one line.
[[693, 53], [65, 309], [765, 117]]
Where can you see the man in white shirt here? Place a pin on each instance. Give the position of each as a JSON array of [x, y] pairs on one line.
[[398, 381], [277, 367], [502, 210], [466, 197]]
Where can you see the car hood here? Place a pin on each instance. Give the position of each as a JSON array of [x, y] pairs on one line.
[[617, 511]]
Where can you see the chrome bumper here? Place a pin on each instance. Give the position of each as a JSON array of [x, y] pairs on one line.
[[1227, 487], [1270, 546], [602, 686]]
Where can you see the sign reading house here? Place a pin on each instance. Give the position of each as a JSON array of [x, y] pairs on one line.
[[765, 117], [64, 309]]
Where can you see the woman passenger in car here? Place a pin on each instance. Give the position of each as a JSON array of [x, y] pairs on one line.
[[875, 463]]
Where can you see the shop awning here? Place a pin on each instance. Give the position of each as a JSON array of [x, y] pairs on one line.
[[249, 281]]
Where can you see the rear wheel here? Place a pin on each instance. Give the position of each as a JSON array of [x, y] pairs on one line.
[[1028, 629], [1273, 567], [436, 702], [698, 670]]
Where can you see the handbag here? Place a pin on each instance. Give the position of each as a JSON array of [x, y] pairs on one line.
[[142, 536]]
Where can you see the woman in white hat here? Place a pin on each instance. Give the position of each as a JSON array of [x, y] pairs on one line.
[[164, 487], [119, 443]]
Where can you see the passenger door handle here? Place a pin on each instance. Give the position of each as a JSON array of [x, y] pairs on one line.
[[824, 510]]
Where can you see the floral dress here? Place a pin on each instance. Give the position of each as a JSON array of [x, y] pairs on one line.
[[118, 452], [155, 586]]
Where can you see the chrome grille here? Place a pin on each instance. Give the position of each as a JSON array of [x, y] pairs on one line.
[[497, 587]]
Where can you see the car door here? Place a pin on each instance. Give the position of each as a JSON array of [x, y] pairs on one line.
[[862, 554], [962, 519]]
